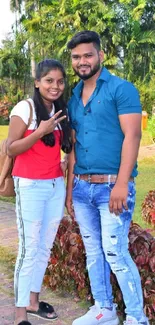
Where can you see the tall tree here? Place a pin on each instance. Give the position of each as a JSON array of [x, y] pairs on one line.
[[126, 27]]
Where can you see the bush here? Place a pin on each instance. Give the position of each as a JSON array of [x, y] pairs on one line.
[[66, 269], [142, 249], [4, 111], [147, 93], [148, 208], [4, 121], [151, 127]]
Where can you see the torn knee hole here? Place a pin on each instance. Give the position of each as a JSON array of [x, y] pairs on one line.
[[124, 270], [113, 239]]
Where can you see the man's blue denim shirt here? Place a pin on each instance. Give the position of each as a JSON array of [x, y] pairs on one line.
[[99, 137]]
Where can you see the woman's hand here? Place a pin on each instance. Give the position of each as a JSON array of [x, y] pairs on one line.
[[46, 127], [64, 165]]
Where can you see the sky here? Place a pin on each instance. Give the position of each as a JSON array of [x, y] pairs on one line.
[[6, 18]]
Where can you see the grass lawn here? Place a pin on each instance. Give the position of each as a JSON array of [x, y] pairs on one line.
[[3, 131], [6, 256], [145, 181], [146, 138]]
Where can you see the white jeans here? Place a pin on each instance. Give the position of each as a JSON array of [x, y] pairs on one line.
[[39, 209]]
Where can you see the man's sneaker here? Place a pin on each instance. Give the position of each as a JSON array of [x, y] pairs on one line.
[[97, 316], [132, 321]]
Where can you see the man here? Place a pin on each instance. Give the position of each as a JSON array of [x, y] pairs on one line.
[[105, 115]]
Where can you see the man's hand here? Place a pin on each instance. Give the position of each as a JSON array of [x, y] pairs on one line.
[[69, 206], [118, 198]]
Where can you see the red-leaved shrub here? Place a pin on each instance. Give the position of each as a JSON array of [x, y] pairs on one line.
[[148, 208], [66, 268], [142, 249], [67, 271]]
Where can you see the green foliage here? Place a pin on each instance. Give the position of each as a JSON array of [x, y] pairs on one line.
[[137, 38], [14, 91], [151, 127], [3, 121], [14, 60], [14, 68], [43, 29], [147, 93], [67, 270]]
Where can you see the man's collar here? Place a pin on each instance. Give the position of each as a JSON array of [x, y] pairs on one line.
[[77, 90], [104, 76]]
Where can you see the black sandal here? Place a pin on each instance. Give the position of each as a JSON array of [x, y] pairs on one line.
[[24, 322], [43, 311]]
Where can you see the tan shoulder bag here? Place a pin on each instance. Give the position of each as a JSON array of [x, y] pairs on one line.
[[6, 165]]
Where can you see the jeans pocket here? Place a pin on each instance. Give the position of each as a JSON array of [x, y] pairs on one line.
[[131, 188], [110, 186], [131, 195], [27, 183], [75, 182]]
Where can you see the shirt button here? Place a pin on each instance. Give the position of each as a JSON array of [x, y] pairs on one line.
[[86, 150], [86, 132], [85, 113]]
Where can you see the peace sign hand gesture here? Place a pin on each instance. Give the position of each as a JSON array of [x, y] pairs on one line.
[[46, 127]]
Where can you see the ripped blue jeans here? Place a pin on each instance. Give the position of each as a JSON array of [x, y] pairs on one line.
[[39, 209], [105, 237]]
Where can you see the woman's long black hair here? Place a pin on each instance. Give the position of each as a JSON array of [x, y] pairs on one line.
[[43, 68]]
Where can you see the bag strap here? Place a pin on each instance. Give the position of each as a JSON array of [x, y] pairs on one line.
[[31, 112], [3, 147], [9, 161]]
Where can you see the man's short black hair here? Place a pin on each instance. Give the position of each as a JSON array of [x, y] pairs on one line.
[[85, 36]]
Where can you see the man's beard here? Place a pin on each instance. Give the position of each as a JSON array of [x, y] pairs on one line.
[[90, 74]]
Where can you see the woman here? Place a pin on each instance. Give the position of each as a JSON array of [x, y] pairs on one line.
[[39, 184]]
